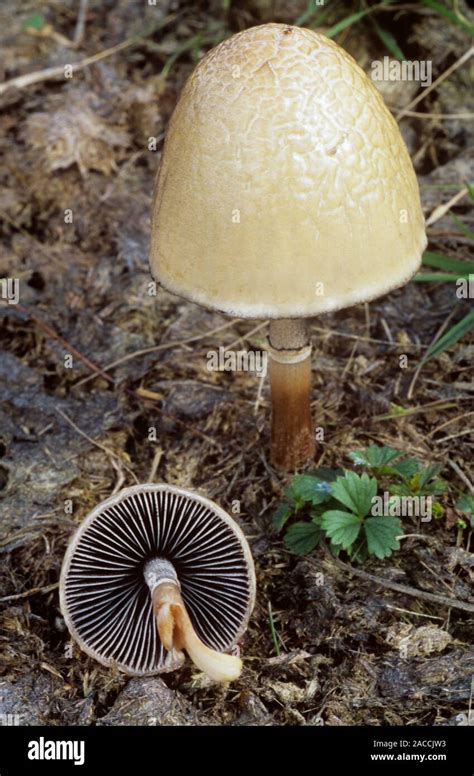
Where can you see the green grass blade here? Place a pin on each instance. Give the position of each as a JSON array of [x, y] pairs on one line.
[[318, 20], [464, 229], [389, 41], [352, 19], [447, 263], [455, 333], [450, 15], [310, 12], [273, 629], [449, 187]]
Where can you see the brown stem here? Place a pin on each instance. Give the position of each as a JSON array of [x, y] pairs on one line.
[[176, 633], [293, 442]]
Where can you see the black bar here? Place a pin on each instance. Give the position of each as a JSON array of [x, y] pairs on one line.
[[136, 750]]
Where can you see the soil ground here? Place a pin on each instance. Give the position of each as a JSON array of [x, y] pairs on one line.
[[74, 431]]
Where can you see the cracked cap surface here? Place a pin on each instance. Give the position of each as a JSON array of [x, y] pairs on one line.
[[285, 187]]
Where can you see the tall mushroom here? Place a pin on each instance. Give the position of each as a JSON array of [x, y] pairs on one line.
[[156, 570], [285, 190]]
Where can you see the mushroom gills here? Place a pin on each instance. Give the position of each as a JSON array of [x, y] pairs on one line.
[[141, 537], [175, 628]]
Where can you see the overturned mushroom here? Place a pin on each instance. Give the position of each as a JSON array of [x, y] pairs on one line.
[[156, 570], [285, 190]]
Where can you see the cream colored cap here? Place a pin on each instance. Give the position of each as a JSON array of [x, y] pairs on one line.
[[285, 187]]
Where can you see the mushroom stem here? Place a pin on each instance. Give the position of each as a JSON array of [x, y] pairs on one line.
[[289, 349], [176, 633]]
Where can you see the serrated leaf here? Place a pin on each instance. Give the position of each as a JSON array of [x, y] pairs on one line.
[[406, 468], [341, 527], [374, 456], [435, 488], [355, 492], [381, 534], [304, 488], [282, 514], [301, 538], [465, 503], [428, 473], [358, 457]]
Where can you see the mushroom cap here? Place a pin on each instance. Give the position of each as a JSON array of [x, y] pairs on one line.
[[285, 188], [105, 600]]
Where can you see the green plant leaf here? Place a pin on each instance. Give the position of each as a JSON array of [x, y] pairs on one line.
[[429, 473], [326, 474], [33, 22], [435, 487], [317, 516], [381, 534], [336, 549], [301, 538], [319, 510], [400, 489], [282, 514], [355, 492], [304, 488], [423, 484], [465, 503], [406, 468], [341, 527], [437, 510], [374, 456], [455, 333]]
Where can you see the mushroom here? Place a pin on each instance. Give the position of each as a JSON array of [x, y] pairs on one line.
[[153, 571], [285, 190]]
